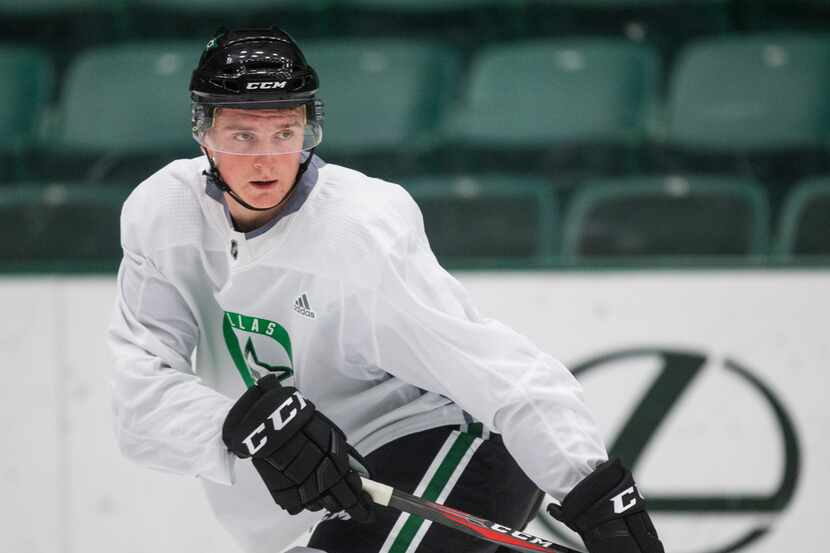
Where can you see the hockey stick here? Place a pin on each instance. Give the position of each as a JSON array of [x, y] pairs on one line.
[[484, 529]]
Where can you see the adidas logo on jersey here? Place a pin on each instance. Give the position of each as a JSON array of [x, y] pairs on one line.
[[302, 307]]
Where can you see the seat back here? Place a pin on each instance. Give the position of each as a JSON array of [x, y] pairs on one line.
[[805, 220], [381, 94], [24, 94], [129, 99], [487, 217], [752, 93], [60, 224], [671, 217], [548, 91]]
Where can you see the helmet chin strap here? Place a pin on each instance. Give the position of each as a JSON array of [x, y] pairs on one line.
[[220, 183]]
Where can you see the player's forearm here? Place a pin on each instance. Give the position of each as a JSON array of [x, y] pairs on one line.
[[164, 416], [552, 445], [548, 428], [168, 420]]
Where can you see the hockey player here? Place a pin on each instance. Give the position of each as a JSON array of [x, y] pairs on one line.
[[282, 325]]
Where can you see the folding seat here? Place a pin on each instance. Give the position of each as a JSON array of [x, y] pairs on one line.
[[199, 18], [676, 217], [383, 99], [25, 92], [548, 104], [462, 22], [124, 110], [196, 7], [758, 104], [62, 25], [784, 14], [421, 6], [60, 225], [487, 219], [666, 24], [752, 93], [805, 222]]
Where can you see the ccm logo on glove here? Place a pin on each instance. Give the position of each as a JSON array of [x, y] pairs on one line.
[[281, 416], [617, 500], [628, 529]]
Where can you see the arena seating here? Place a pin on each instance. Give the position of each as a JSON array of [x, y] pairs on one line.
[[51, 225], [384, 98], [498, 114], [525, 102], [123, 105], [25, 92], [666, 217], [484, 218], [805, 221]]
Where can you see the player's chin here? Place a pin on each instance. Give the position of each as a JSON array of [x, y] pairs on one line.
[[262, 197]]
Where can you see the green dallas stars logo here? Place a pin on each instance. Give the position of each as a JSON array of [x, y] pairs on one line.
[[247, 362]]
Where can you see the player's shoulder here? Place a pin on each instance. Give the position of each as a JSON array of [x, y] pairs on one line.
[[173, 181], [383, 209], [166, 206]]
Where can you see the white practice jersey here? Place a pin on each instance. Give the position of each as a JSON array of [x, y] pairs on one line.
[[343, 298]]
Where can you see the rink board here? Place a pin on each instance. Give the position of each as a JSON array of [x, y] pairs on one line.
[[727, 372]]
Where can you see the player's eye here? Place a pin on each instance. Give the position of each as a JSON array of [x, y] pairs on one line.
[[285, 134], [243, 136]]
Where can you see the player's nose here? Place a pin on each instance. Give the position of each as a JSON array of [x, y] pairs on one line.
[[261, 165]]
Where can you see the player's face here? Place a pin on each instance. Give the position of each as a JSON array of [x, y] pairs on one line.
[[261, 179]]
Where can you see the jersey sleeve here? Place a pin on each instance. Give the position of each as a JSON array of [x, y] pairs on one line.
[[165, 418], [427, 332]]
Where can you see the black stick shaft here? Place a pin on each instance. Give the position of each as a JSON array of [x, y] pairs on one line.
[[453, 518]]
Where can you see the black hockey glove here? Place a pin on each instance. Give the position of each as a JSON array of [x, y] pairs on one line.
[[608, 512], [301, 455]]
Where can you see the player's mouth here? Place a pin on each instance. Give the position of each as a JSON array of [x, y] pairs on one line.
[[263, 183]]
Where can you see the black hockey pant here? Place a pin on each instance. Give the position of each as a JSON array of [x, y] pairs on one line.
[[458, 467]]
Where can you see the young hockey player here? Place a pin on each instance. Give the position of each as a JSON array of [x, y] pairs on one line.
[[282, 325]]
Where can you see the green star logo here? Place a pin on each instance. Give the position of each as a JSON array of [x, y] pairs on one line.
[[247, 361], [259, 368]]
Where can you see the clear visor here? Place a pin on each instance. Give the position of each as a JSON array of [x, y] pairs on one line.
[[267, 130]]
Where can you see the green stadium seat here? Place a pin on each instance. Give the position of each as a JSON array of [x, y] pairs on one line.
[[129, 98], [125, 101], [61, 226], [537, 93], [62, 26], [666, 217], [464, 23], [545, 94], [420, 6], [487, 218], [752, 93], [784, 14], [225, 7], [25, 92], [805, 221], [665, 24], [615, 4], [11, 8], [383, 96], [198, 18]]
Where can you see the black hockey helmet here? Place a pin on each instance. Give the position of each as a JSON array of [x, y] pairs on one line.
[[257, 68]]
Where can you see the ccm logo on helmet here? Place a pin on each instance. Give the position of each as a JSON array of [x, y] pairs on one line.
[[266, 85], [281, 416]]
